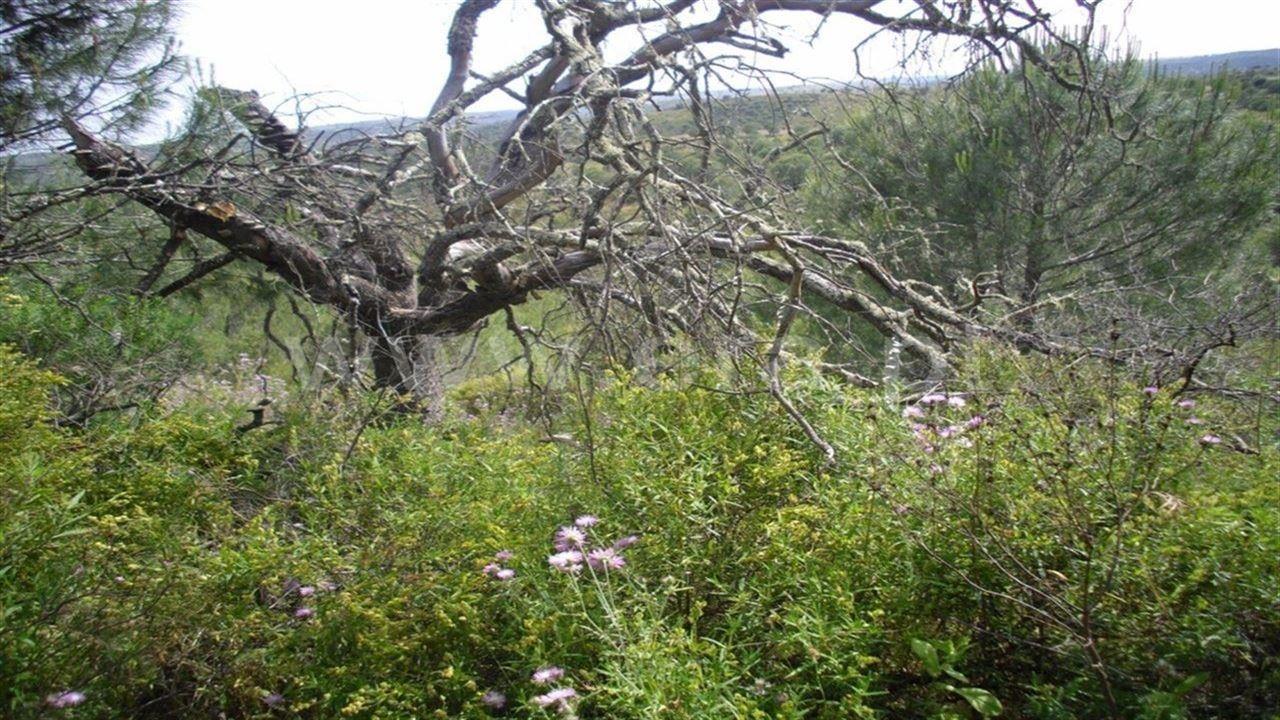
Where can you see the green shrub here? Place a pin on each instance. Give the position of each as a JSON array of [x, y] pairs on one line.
[[159, 566]]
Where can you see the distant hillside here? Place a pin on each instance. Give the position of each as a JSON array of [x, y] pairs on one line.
[[487, 124], [1206, 64], [1194, 65]]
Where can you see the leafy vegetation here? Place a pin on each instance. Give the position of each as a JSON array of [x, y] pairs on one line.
[[1076, 542]]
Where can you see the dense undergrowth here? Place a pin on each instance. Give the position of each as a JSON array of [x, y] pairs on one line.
[[1043, 542]]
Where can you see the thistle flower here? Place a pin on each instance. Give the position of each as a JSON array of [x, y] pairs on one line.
[[1210, 439], [975, 422], [504, 574], [569, 561], [304, 613], [948, 431], [569, 537], [623, 543], [1186, 403], [494, 700], [912, 411], [605, 559], [306, 591], [65, 699], [491, 569], [1151, 390], [503, 555], [547, 675], [558, 698], [586, 521], [933, 399]]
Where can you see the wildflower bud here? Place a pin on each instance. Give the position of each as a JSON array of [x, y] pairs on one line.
[[558, 699], [65, 699], [605, 559], [569, 561], [494, 700], [547, 675], [569, 537]]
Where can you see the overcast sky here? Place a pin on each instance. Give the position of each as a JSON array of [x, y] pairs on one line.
[[387, 57]]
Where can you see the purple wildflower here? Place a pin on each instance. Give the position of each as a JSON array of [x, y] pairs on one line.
[[956, 401], [933, 399], [569, 561], [491, 569], [1151, 390], [975, 422], [494, 700], [912, 411], [304, 613], [605, 559], [948, 431], [306, 591], [503, 555], [1193, 420], [65, 699], [1186, 403], [1210, 439], [586, 521], [547, 675], [623, 543], [505, 574], [273, 699], [569, 537], [558, 698]]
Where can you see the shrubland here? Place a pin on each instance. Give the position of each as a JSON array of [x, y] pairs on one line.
[[945, 400], [1040, 540]]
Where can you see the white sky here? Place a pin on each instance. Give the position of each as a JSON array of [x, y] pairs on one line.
[[387, 57]]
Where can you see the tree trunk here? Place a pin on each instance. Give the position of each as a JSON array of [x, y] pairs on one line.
[[407, 366], [1032, 274]]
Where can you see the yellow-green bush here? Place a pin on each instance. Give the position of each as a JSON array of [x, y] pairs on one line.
[[156, 564]]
